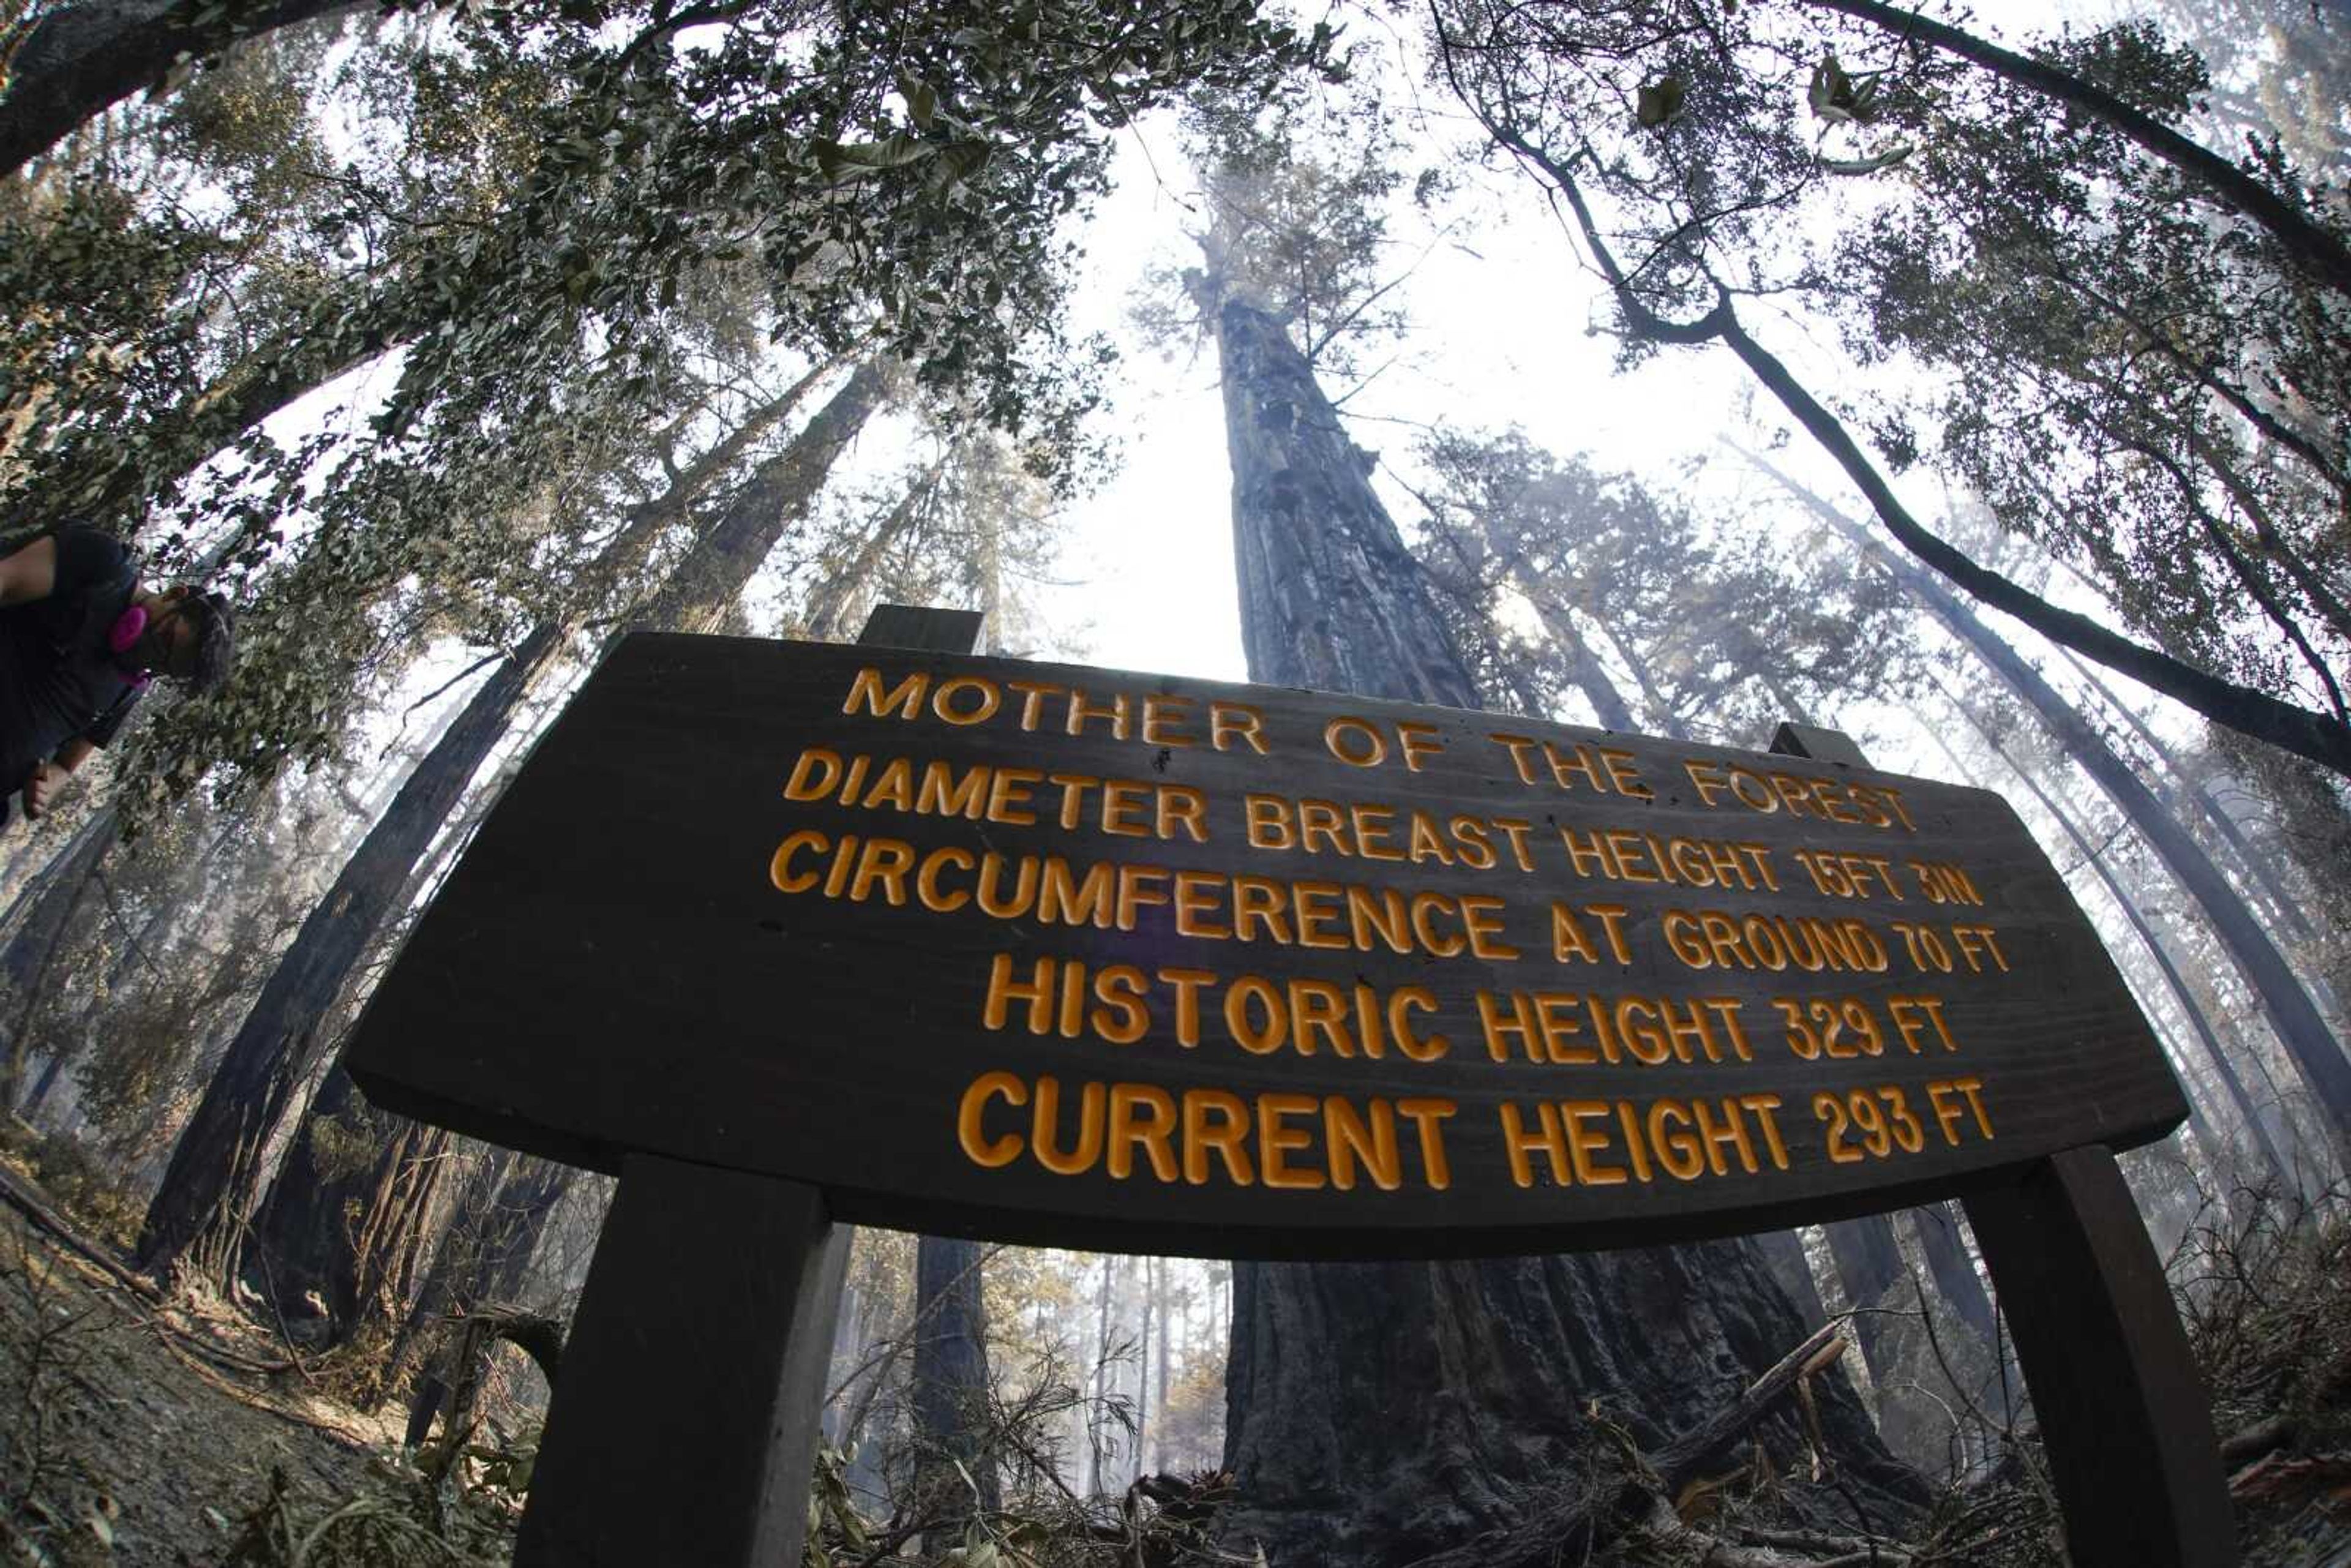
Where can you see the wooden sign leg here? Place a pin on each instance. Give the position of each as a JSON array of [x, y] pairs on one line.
[[2127, 1424], [684, 1424]]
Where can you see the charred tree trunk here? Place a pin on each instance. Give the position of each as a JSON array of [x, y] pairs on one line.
[[1869, 1266], [41, 916], [1945, 1251], [347, 1219], [2287, 1007], [216, 1172], [452, 1258], [1377, 1412], [1783, 1254], [950, 1377], [493, 1270], [198, 1214], [1330, 597]]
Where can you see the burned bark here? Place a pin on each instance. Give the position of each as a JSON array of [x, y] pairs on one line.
[[198, 1214], [41, 916], [488, 1265], [346, 1231]]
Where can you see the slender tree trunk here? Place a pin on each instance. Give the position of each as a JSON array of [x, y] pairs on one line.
[[1142, 1374], [1094, 1467], [1378, 1411], [2284, 1002], [950, 1375], [828, 606], [75, 61], [1584, 666], [38, 921], [1652, 693], [2199, 1021], [709, 580], [2282, 905], [1159, 1439]]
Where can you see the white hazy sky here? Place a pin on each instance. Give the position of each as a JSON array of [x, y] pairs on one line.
[[1500, 313]]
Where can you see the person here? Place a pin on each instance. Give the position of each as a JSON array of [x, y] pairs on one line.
[[80, 637]]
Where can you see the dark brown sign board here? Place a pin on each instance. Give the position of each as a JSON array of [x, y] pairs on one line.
[[786, 933], [1073, 955]]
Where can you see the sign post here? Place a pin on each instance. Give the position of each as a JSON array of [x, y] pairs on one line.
[[1077, 957], [685, 1428]]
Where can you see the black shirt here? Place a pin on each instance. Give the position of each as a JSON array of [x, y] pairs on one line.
[[58, 679]]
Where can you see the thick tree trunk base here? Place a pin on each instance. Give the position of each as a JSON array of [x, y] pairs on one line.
[[1383, 1413]]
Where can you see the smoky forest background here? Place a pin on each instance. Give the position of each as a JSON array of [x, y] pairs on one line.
[[1975, 382]]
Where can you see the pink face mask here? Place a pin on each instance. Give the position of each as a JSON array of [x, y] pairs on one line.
[[129, 627]]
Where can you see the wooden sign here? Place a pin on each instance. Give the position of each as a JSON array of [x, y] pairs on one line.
[[1083, 957]]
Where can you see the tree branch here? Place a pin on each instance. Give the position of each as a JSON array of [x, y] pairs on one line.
[[2319, 251]]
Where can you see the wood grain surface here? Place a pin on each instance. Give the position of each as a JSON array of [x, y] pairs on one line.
[[623, 961]]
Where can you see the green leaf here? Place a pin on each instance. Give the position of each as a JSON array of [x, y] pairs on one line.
[[839, 161], [1838, 98], [1660, 102], [921, 101], [958, 161]]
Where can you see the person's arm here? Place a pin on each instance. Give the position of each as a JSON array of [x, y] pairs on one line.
[[48, 779], [29, 574]]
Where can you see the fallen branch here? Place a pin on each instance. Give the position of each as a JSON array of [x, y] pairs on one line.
[[1679, 1460], [48, 1221], [1666, 1528], [2249, 1443], [1595, 1509]]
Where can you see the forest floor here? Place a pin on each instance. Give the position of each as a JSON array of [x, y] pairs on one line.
[[144, 1431], [141, 1432]]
